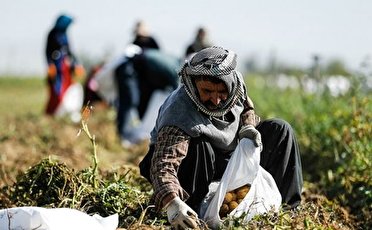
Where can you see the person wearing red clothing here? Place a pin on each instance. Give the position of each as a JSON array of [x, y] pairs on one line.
[[62, 64]]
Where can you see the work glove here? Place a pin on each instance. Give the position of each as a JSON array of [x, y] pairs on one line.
[[52, 71], [249, 131], [180, 215], [79, 71]]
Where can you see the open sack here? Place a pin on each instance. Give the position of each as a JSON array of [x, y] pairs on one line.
[[243, 168], [54, 219]]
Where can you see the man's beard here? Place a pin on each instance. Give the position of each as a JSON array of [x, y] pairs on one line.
[[212, 106]]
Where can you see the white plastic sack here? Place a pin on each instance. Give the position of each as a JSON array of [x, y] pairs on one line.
[[143, 129], [72, 102], [243, 168], [54, 219], [105, 78]]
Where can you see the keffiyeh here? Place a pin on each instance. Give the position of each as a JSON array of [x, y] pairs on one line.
[[213, 62]]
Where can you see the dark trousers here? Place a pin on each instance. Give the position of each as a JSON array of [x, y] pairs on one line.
[[129, 97], [280, 157]]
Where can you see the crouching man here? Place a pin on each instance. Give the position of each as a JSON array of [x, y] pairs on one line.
[[197, 129]]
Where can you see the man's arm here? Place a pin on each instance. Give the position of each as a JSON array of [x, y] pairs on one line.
[[248, 121], [248, 116], [170, 148]]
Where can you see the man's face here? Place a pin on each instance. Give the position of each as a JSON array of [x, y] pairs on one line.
[[212, 95]]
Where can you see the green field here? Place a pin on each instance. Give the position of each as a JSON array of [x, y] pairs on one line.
[[22, 95], [334, 134]]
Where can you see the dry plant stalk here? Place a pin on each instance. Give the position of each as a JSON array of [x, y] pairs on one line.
[[85, 114]]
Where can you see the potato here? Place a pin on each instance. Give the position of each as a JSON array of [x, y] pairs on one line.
[[224, 208], [222, 215], [233, 196], [228, 198], [232, 199], [242, 191], [240, 194], [244, 188], [233, 205]]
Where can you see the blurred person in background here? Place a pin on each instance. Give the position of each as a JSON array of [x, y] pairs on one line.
[[90, 86], [130, 84], [200, 42], [62, 68], [142, 37], [137, 79]]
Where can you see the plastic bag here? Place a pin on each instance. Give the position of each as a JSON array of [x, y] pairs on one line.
[[105, 78], [71, 103], [143, 129], [54, 219], [243, 168]]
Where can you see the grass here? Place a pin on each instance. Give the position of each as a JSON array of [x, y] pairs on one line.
[[22, 95], [33, 146]]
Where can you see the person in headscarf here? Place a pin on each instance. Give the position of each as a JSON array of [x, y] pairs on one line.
[[62, 64], [199, 126]]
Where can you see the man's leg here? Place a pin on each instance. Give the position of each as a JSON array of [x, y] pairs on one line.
[[281, 158], [198, 169], [146, 94], [201, 166], [128, 98]]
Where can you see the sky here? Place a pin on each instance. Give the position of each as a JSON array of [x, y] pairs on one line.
[[290, 30]]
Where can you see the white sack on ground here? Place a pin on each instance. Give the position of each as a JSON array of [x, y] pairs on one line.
[[54, 219]]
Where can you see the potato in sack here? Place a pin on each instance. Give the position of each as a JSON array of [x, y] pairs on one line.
[[245, 184], [232, 199]]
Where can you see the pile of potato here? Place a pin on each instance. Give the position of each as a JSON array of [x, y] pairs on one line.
[[232, 199]]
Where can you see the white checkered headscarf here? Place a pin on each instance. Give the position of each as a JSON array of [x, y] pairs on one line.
[[215, 62]]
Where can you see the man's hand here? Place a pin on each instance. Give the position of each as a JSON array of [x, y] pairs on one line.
[[180, 215], [250, 132]]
